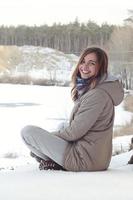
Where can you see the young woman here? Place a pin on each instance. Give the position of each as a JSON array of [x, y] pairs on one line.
[[86, 144]]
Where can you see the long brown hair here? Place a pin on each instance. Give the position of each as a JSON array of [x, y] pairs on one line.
[[100, 71]]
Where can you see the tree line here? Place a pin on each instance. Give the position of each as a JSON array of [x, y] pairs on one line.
[[69, 38]]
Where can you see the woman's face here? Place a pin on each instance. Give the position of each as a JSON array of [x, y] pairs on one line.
[[88, 66]]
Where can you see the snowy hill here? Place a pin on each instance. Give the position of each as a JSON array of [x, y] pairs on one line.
[[39, 62]]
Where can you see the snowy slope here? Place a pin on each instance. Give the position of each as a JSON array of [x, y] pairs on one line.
[[40, 62]]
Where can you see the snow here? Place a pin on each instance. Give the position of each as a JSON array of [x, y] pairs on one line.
[[43, 63], [121, 144], [49, 108], [123, 117], [28, 183]]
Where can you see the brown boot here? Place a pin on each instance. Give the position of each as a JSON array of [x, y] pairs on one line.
[[50, 164]]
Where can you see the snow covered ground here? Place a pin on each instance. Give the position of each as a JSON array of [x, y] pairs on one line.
[[20, 177]]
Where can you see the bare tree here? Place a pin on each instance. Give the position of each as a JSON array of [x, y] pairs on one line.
[[121, 54]]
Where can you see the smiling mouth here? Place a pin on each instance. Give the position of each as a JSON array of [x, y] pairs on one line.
[[85, 71]]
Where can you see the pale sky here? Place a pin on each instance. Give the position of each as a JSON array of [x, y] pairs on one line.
[[39, 12]]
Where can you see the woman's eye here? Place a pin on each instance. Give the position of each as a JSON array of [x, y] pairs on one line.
[[92, 63]]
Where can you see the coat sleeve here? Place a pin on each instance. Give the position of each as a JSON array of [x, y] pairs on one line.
[[89, 111]]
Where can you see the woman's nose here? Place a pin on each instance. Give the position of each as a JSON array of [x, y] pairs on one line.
[[85, 66]]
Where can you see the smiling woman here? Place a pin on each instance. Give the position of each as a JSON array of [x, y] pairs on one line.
[[86, 143], [92, 65], [88, 66]]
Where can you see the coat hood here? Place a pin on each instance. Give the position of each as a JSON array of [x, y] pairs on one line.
[[112, 86]]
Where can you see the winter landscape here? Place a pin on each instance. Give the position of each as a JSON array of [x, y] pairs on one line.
[[49, 108], [36, 62], [40, 42]]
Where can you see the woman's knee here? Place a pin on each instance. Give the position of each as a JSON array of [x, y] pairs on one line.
[[27, 130]]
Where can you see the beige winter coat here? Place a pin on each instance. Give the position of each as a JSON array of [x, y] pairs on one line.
[[91, 126]]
